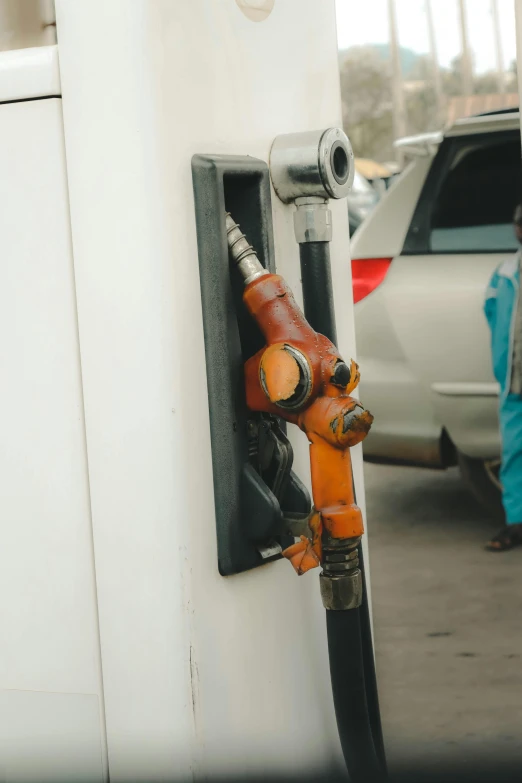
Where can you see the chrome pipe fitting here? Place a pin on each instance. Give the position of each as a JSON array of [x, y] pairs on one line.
[[308, 169], [314, 163]]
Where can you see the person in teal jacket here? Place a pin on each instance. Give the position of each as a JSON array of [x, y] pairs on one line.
[[503, 310]]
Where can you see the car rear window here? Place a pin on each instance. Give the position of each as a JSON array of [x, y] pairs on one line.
[[468, 201]]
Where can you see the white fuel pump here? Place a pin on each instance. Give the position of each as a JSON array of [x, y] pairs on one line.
[[125, 652]]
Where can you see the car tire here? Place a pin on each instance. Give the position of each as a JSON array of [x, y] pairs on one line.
[[482, 477]]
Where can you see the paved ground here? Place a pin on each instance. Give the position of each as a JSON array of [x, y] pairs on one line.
[[448, 622]]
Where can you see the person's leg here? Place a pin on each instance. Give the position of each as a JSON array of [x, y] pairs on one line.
[[510, 475]]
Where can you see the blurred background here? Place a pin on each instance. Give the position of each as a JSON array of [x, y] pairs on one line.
[[415, 66], [430, 104]]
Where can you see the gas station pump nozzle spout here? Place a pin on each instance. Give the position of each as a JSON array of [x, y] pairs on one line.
[[243, 255]]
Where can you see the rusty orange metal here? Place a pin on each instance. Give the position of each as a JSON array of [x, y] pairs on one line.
[[332, 419], [306, 553], [281, 372]]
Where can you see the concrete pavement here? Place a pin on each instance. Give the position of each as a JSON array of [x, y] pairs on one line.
[[448, 623]]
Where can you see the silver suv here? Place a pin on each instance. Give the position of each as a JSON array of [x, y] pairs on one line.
[[421, 264]]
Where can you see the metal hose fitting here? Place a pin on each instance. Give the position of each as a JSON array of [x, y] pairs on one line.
[[243, 255], [341, 578], [312, 220]]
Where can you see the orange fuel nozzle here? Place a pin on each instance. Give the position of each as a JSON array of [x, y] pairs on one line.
[[300, 376]]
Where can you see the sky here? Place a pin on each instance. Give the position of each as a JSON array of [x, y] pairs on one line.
[[366, 22]]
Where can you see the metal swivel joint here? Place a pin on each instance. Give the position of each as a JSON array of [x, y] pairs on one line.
[[308, 169]]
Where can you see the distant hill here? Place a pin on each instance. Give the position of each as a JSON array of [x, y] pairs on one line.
[[408, 56]]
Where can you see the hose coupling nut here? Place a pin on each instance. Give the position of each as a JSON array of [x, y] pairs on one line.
[[341, 578], [312, 220], [341, 592]]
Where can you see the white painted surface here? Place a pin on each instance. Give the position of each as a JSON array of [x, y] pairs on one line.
[[383, 233], [472, 125], [467, 389], [436, 307], [405, 426], [29, 73], [50, 737], [47, 585], [201, 672]]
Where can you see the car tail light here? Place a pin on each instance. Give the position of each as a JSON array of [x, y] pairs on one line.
[[367, 274]]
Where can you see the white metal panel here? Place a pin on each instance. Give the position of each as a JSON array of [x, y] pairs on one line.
[[383, 232], [467, 389], [235, 666], [47, 586], [29, 73], [405, 427], [487, 123], [50, 737], [442, 296]]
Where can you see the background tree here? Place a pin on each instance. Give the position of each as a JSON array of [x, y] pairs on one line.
[[512, 78], [366, 97], [421, 100]]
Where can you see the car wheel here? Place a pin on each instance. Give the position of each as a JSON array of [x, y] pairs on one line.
[[482, 477]]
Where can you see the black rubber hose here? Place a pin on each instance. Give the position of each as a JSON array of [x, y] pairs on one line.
[[347, 672], [355, 632], [316, 278], [370, 675]]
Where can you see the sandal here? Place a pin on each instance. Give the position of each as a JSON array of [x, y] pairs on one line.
[[507, 538]]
